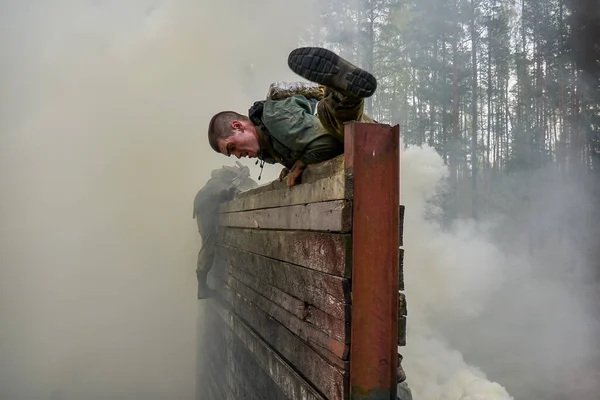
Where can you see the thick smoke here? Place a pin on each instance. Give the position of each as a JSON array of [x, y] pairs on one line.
[[103, 112], [102, 148], [486, 318], [448, 274]]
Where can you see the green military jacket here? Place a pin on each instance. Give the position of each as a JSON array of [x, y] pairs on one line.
[[290, 131]]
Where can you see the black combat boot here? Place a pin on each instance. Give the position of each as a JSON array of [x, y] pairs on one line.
[[326, 68]]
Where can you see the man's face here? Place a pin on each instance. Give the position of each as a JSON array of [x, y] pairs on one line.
[[243, 142]]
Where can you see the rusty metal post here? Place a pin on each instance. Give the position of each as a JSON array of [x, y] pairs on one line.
[[372, 158]]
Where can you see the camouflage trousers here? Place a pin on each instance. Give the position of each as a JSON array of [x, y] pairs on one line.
[[335, 109], [206, 255]]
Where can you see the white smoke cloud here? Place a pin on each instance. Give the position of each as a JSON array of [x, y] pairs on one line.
[[104, 108], [448, 274], [478, 301], [103, 113]]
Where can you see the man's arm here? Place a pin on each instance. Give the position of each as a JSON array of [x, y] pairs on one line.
[[292, 123], [321, 149]]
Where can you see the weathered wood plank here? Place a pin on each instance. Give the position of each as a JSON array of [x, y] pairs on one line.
[[224, 376], [238, 380], [329, 216], [325, 189], [312, 173], [330, 325], [280, 371], [402, 331], [252, 376], [323, 251], [333, 350], [402, 310], [326, 292], [216, 382], [401, 210], [325, 376], [400, 269], [211, 359]]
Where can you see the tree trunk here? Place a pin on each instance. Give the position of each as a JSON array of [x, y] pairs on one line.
[[474, 88]]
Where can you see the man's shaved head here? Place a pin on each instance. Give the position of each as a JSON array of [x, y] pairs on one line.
[[231, 133], [221, 127]]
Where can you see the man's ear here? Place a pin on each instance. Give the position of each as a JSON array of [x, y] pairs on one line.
[[237, 125]]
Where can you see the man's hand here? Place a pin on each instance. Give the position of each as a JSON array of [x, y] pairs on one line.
[[295, 173], [282, 174]]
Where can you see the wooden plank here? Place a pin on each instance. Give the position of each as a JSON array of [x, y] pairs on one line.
[[402, 331], [251, 376], [326, 377], [238, 379], [286, 377], [330, 335], [400, 269], [402, 309], [223, 374], [217, 384], [214, 350], [333, 350], [323, 251], [325, 189], [251, 312], [401, 210], [329, 216], [312, 173], [335, 328], [372, 157], [326, 292]]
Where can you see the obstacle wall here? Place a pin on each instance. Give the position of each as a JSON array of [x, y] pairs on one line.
[[309, 283]]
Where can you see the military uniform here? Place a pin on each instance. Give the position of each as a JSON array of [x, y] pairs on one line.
[[305, 126], [306, 129], [222, 186]]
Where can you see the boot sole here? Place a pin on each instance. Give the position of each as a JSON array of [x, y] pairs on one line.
[[326, 68]]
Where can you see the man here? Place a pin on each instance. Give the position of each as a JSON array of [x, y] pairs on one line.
[[297, 131], [222, 186]]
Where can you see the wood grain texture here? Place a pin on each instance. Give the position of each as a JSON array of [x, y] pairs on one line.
[[400, 269], [328, 378], [330, 216], [333, 327], [328, 293], [331, 349], [402, 331], [323, 251], [325, 189], [312, 173], [290, 382], [249, 375], [401, 210]]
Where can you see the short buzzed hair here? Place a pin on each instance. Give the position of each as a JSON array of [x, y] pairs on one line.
[[219, 127]]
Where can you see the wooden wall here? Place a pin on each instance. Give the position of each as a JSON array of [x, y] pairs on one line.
[[280, 326]]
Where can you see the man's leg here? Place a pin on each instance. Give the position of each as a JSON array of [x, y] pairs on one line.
[[335, 109], [346, 86], [206, 257]]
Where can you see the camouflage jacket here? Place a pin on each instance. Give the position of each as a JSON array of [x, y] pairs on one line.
[[289, 131]]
